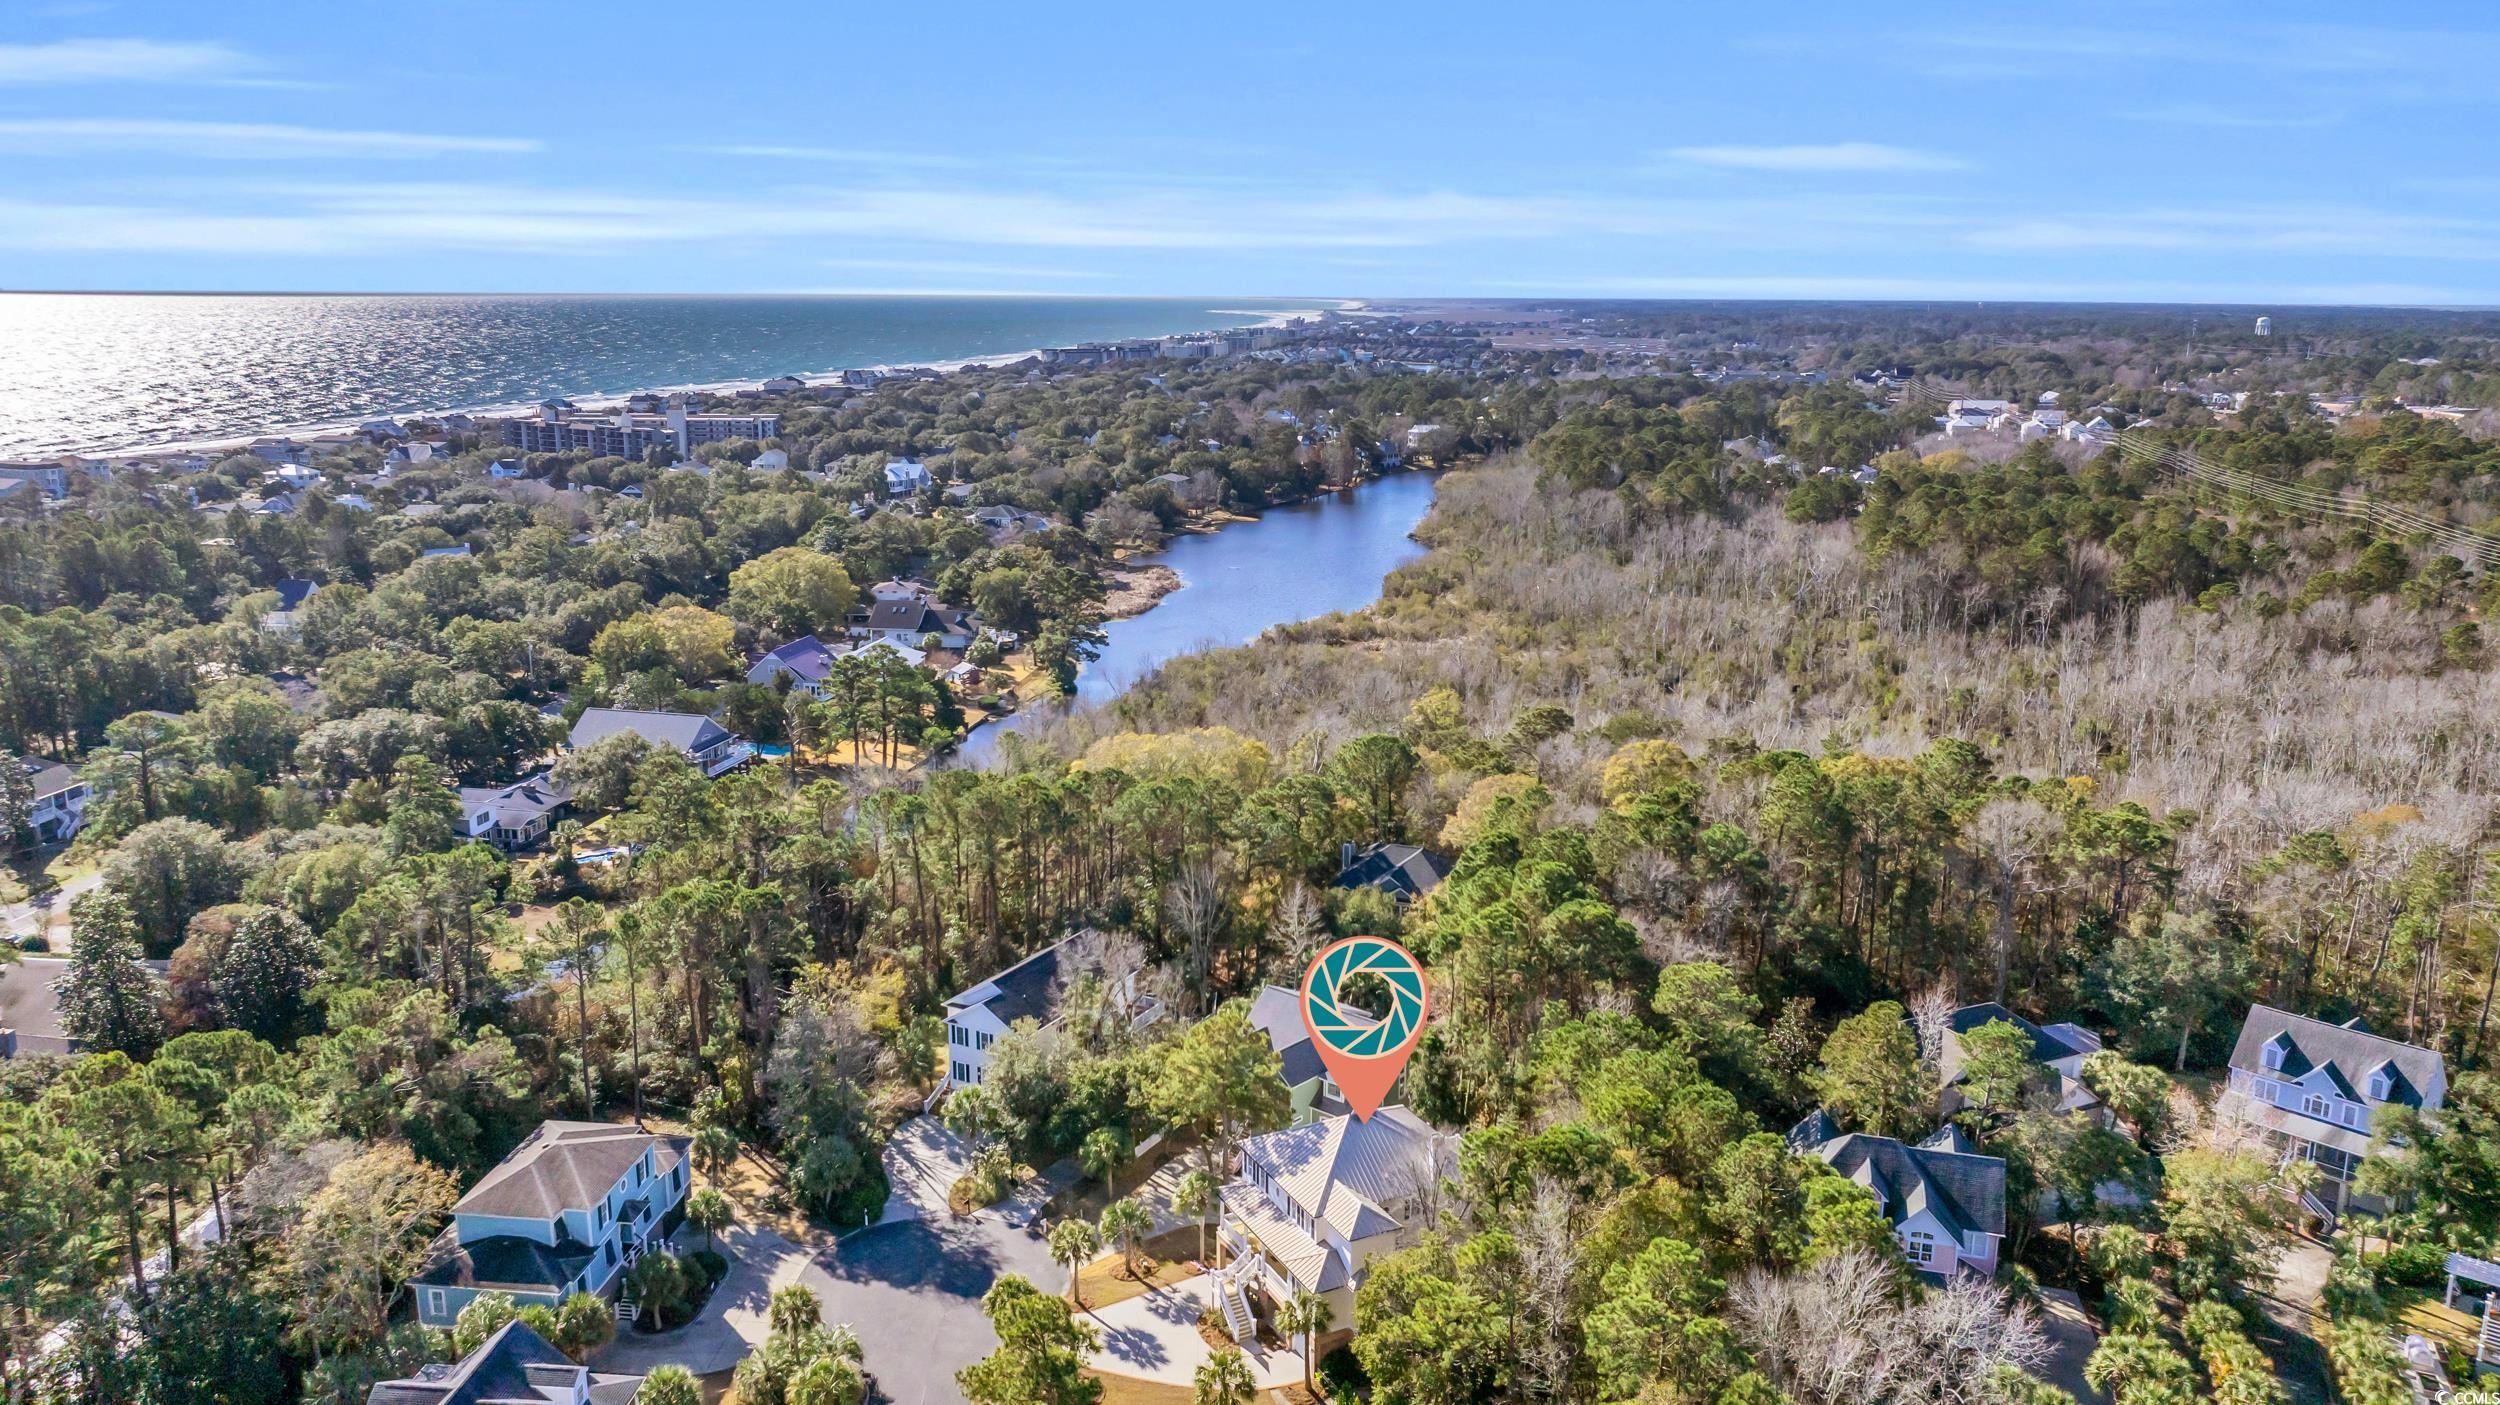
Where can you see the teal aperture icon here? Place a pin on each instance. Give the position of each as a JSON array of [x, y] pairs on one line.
[[1351, 1031]]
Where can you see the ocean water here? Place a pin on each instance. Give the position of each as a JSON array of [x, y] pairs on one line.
[[98, 372]]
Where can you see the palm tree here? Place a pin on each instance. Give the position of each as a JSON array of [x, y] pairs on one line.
[[971, 1114], [1074, 1243], [1104, 1151], [1124, 1222], [670, 1385], [1197, 1195], [794, 1311], [1306, 1314], [1224, 1379], [710, 1211], [715, 1146]]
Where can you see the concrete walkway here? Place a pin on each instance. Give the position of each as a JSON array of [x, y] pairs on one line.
[[1154, 1337]]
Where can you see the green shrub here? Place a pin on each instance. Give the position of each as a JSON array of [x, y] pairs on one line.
[[2414, 1265], [711, 1265], [1340, 1376]]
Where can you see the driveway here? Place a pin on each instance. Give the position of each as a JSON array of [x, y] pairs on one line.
[[2071, 1338], [49, 914], [912, 1290], [2290, 1304], [1155, 1337], [733, 1320]]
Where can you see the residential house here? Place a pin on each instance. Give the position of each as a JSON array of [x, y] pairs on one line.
[[904, 477], [2314, 1091], [292, 593], [515, 1366], [906, 612], [51, 480], [1403, 871], [1038, 989], [698, 738], [60, 803], [566, 1212], [783, 385], [1003, 523], [445, 553], [517, 816], [504, 470], [1314, 1205], [30, 1005], [1277, 1013], [807, 663], [2060, 1049], [1946, 1202]]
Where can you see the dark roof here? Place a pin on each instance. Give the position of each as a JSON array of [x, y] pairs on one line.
[[294, 591], [809, 658], [50, 777], [565, 1166], [505, 1261], [1816, 1128], [2045, 1047], [515, 1366], [1033, 988], [688, 732], [1963, 1191], [1401, 870], [913, 616], [1277, 1013], [519, 803], [2349, 1053]]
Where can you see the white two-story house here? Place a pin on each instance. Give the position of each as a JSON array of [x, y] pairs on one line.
[[1314, 1205], [566, 1212], [60, 801], [2314, 1089], [1037, 989], [1945, 1200]]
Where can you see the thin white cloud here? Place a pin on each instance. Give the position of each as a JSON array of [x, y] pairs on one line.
[[235, 141], [1835, 156], [837, 155], [122, 61]]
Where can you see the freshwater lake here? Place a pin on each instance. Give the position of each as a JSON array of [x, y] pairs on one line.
[[1315, 558]]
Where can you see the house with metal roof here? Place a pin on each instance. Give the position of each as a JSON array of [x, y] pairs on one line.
[[1038, 988], [2059, 1050], [1945, 1200], [698, 738], [1315, 1204], [567, 1212], [1403, 871], [515, 1366], [2315, 1089]]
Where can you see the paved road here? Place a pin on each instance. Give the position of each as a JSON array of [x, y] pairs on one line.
[[50, 913], [912, 1290]]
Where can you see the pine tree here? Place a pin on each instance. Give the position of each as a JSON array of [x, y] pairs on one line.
[[108, 1000]]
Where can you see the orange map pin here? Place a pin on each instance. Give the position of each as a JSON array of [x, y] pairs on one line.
[[1365, 1055]]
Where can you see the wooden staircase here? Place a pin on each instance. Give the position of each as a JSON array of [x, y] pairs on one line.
[[2487, 1346], [1238, 1319]]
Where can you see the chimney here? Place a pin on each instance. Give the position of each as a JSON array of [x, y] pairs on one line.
[[1345, 856]]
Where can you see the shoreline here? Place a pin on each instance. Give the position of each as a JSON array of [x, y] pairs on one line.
[[598, 400]]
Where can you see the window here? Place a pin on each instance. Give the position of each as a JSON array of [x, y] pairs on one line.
[[2381, 1085], [954, 1034], [2315, 1105], [434, 1303], [2274, 1054], [1919, 1247]]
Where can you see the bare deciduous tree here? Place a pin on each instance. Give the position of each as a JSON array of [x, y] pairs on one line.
[[1838, 1333]]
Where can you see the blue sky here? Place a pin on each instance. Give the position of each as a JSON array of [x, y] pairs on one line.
[[2286, 153]]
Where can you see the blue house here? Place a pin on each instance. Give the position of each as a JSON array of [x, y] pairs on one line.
[[567, 1212]]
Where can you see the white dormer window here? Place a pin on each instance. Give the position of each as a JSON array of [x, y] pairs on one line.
[[2273, 1054], [2382, 1086]]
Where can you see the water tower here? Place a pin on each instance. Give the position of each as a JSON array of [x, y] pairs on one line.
[[2265, 326]]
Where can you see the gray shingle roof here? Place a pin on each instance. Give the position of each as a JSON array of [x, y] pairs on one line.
[[515, 805], [565, 1166], [515, 1366], [688, 732], [1963, 1191], [1034, 988], [1277, 1013], [2349, 1054], [1401, 870]]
